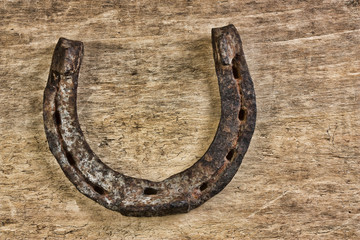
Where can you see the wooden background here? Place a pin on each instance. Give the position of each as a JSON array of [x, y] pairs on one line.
[[149, 107]]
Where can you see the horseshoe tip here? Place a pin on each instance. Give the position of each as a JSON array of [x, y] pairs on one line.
[[226, 41], [67, 56]]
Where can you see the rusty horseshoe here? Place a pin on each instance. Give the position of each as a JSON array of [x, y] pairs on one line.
[[140, 197]]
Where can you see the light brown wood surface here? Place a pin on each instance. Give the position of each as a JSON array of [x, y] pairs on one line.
[[149, 106]]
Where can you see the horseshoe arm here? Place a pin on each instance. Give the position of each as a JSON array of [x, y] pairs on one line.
[[140, 197]]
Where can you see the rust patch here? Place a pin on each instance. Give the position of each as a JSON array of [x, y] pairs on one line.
[[208, 157], [140, 197]]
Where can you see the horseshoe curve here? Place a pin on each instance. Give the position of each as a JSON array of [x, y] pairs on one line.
[[140, 197]]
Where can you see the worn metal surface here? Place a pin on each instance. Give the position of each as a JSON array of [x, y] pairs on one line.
[[140, 197]]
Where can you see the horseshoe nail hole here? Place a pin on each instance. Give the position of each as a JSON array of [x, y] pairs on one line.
[[230, 155], [203, 186], [150, 191], [57, 118], [98, 189], [70, 158], [242, 114], [235, 70]]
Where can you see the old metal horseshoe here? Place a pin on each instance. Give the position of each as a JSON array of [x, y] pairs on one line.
[[140, 197]]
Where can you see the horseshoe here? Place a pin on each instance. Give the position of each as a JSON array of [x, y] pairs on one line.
[[140, 197]]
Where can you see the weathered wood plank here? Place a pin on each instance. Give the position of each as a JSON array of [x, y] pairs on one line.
[[149, 107]]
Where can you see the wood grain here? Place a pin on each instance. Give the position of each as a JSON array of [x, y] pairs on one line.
[[149, 107]]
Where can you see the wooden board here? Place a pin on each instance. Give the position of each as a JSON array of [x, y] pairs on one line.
[[149, 107]]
